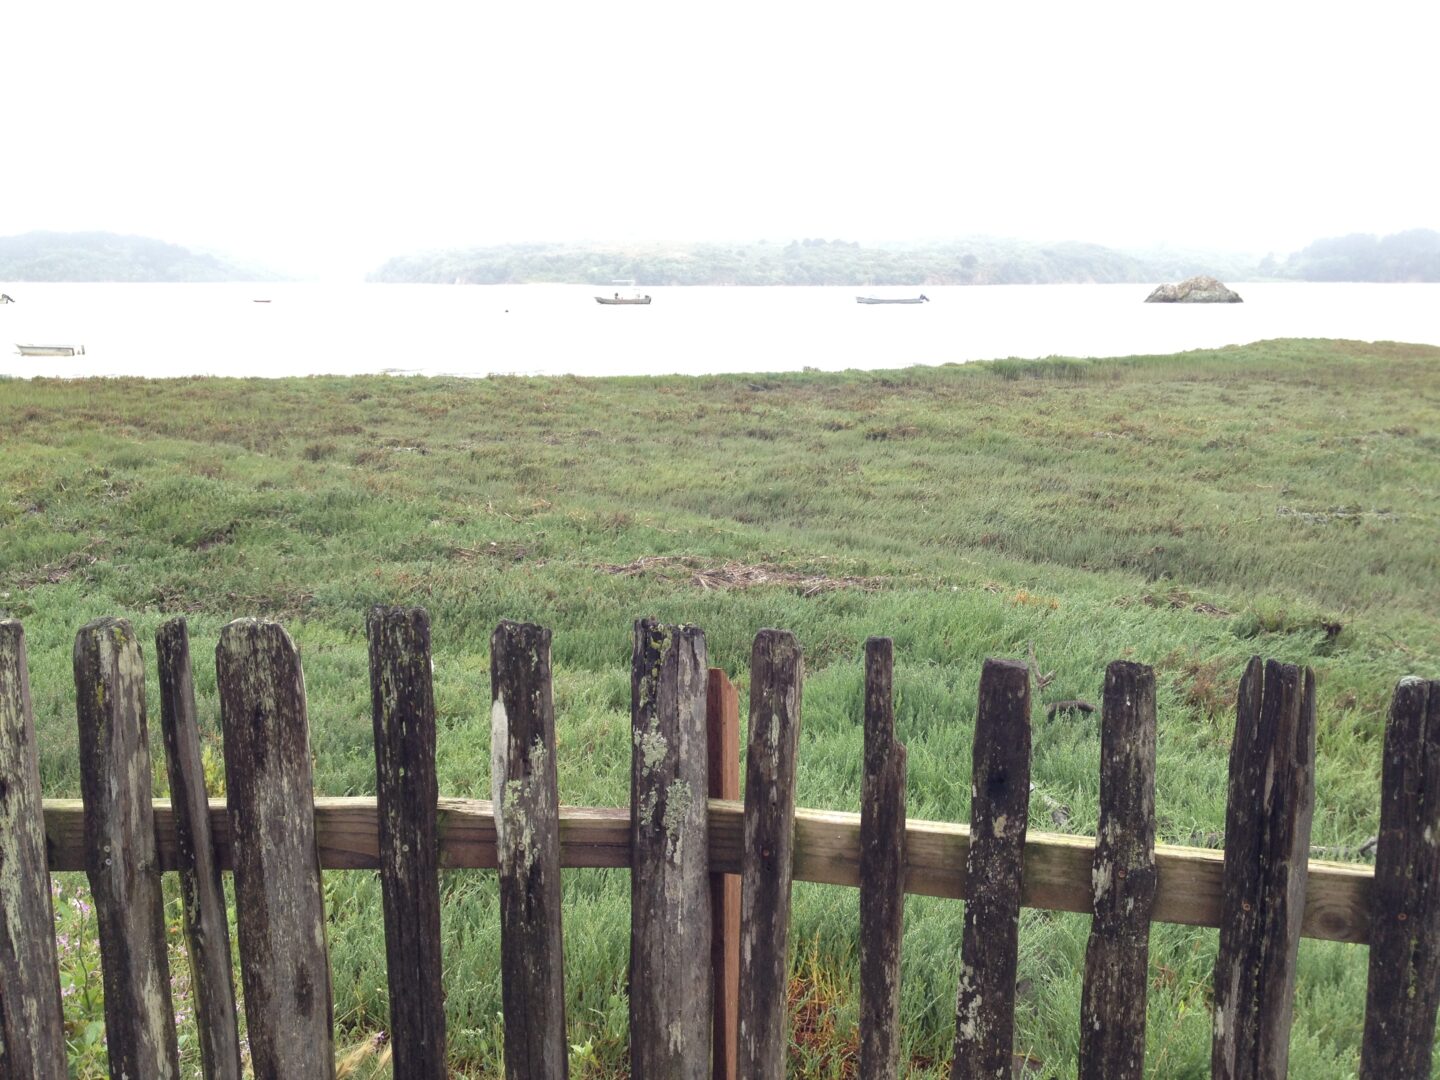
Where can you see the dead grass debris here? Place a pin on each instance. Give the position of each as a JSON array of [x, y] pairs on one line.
[[733, 574]]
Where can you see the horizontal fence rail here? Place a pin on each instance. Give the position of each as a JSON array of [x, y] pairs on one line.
[[827, 850], [710, 877]]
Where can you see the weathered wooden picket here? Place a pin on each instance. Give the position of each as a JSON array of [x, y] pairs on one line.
[[684, 851]]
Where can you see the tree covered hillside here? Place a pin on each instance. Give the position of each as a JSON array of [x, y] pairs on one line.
[[99, 256], [1413, 255], [972, 261]]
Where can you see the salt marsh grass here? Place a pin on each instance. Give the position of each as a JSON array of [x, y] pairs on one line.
[[1185, 511]]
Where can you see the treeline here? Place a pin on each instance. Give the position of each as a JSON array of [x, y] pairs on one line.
[[100, 256], [1413, 255], [974, 261]]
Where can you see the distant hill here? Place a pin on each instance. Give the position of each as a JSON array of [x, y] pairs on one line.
[[98, 256], [972, 261], [1413, 255]]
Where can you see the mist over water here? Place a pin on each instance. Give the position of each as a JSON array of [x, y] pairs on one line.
[[316, 329]]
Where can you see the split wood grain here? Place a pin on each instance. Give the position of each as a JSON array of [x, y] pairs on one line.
[[1123, 878], [531, 952], [407, 791], [207, 929], [279, 900], [776, 673], [722, 728], [999, 805], [1404, 985], [120, 861], [31, 1019], [1267, 845], [670, 994], [882, 868]]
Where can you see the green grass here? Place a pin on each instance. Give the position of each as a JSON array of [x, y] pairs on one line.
[[1281, 499]]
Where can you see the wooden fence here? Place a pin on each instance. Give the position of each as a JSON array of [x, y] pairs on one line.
[[683, 850]]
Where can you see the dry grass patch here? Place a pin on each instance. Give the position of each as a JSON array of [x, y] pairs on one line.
[[709, 576]]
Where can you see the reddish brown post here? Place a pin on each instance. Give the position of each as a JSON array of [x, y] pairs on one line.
[[722, 721]]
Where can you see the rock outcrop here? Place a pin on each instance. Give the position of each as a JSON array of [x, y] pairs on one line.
[[1195, 290]]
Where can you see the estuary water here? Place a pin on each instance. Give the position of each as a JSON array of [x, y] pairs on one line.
[[274, 330]]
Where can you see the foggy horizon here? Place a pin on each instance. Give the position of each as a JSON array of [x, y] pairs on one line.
[[324, 141]]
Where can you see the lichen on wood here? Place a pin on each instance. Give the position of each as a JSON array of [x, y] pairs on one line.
[[32, 1030], [1267, 842], [207, 931], [531, 950], [999, 806], [120, 859], [670, 994], [279, 899], [767, 866]]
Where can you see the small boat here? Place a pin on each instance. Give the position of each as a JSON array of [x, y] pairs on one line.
[[6, 298], [259, 301], [921, 299], [618, 299], [51, 350]]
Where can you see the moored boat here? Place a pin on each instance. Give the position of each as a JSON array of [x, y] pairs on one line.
[[921, 299], [51, 350]]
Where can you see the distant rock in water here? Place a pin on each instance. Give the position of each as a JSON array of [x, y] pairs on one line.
[[1195, 290]]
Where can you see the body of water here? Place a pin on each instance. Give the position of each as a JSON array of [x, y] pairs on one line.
[[313, 329]]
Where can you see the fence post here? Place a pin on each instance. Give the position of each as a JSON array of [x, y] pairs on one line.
[[670, 993], [722, 727], [1123, 880], [999, 805], [776, 673], [882, 869], [1404, 981], [407, 792], [120, 859], [1267, 849], [31, 1021], [279, 900], [207, 930], [527, 820]]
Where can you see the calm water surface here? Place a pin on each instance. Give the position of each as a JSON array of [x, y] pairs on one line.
[[313, 329]]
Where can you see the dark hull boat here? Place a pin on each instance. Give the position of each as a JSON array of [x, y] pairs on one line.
[[921, 299]]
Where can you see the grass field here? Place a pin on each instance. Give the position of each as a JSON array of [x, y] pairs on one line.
[[1281, 499]]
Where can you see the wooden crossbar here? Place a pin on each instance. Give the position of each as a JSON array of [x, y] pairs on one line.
[[827, 849]]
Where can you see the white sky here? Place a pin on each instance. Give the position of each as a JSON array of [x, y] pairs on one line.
[[310, 135]]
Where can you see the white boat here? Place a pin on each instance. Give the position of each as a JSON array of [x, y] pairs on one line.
[[921, 299], [51, 350]]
